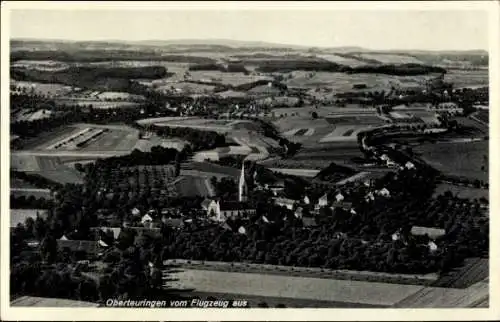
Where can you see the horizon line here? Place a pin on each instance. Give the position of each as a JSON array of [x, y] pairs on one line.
[[281, 45]]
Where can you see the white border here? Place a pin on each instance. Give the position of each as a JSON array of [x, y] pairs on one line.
[[36, 314]]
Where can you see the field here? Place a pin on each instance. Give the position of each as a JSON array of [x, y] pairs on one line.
[[19, 216], [96, 103], [91, 138], [30, 115], [355, 292], [341, 60], [467, 78], [391, 58], [171, 143], [460, 159], [51, 167], [341, 82], [195, 123], [342, 133], [191, 186], [462, 192], [326, 153], [45, 89], [43, 302], [27, 192], [208, 169], [437, 297]]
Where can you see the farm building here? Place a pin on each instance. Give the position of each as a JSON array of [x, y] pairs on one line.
[[220, 210], [433, 233], [285, 202]]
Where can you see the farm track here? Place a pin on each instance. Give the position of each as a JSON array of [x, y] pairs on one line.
[[473, 271]]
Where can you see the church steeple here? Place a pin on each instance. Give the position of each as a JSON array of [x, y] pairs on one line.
[[242, 186]]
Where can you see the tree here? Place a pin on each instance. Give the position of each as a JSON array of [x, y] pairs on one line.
[[314, 115]]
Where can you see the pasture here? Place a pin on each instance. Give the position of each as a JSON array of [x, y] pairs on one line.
[[252, 284], [459, 159]]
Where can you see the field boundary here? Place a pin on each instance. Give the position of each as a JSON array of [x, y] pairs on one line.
[[324, 273]]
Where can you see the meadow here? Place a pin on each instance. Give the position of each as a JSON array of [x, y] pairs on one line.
[[459, 159]]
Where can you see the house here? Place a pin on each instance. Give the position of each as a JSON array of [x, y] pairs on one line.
[[299, 212], [285, 202], [322, 201], [146, 220], [432, 246], [306, 200], [205, 204], [221, 210], [339, 197], [384, 192], [433, 233], [136, 212], [369, 197], [409, 165]]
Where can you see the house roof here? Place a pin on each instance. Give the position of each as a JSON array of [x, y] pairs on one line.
[[432, 232]]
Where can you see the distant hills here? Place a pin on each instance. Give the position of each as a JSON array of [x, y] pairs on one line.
[[218, 45]]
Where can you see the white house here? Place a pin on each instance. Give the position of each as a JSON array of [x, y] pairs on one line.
[[432, 246], [136, 212], [339, 197], [306, 200], [323, 201], [146, 219], [384, 192], [409, 165]]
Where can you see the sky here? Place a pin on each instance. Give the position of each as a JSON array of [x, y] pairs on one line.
[[425, 30]]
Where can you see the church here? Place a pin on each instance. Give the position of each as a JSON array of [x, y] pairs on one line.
[[220, 210]]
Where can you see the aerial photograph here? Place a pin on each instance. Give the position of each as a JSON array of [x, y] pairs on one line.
[[244, 158]]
